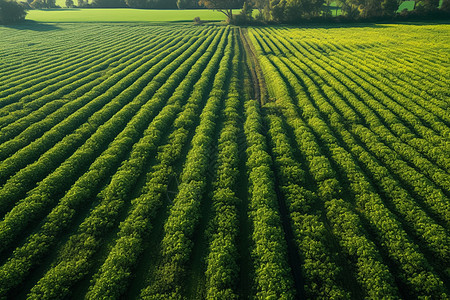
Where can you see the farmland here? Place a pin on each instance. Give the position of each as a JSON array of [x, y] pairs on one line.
[[190, 162], [122, 15]]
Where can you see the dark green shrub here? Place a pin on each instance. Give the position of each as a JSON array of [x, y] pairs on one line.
[[11, 12]]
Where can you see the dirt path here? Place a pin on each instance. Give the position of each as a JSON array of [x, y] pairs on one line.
[[254, 69]]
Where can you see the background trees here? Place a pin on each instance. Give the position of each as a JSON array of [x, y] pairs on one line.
[[109, 3], [38, 4], [292, 10], [224, 6], [11, 12]]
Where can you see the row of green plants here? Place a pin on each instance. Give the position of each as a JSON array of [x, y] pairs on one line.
[[372, 275], [48, 81], [383, 51], [222, 268], [421, 137], [185, 213], [397, 151], [29, 65], [76, 258], [105, 165], [428, 74], [32, 101], [90, 61], [113, 277], [40, 199], [272, 273], [426, 228], [56, 146], [321, 273], [400, 247], [393, 97], [34, 118], [28, 95], [61, 51]]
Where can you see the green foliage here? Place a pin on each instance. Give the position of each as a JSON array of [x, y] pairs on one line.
[[176, 246], [427, 5], [272, 273], [222, 262], [223, 6], [329, 122], [40, 4], [321, 273], [135, 228], [185, 4], [11, 12], [150, 4], [346, 165], [86, 184], [445, 6], [109, 3], [104, 215]]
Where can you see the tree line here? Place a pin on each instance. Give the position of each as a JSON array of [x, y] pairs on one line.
[[278, 11], [146, 4], [11, 12], [293, 11]]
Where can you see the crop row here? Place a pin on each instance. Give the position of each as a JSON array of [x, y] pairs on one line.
[[319, 268], [272, 273], [43, 195], [222, 261], [362, 72], [92, 85], [134, 230], [400, 248], [106, 163], [184, 215], [76, 256], [30, 65], [371, 273], [98, 66], [121, 87], [397, 151], [422, 224]]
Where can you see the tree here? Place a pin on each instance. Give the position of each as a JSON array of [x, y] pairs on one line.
[[38, 4], [370, 8], [136, 3], [11, 12], [223, 6], [263, 6], [349, 8], [427, 5], [389, 7], [108, 3], [277, 9], [182, 4], [165, 4], [294, 10], [445, 6], [69, 3]]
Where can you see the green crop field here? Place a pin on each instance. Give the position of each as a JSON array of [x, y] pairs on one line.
[[122, 15], [177, 161]]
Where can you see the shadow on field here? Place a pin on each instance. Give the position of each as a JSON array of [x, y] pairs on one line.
[[34, 26]]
